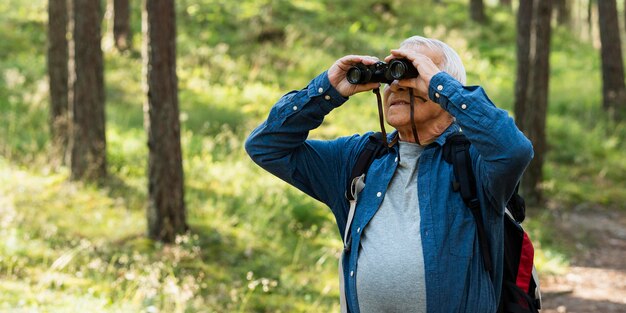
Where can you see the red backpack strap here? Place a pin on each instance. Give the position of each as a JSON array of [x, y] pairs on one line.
[[525, 268]]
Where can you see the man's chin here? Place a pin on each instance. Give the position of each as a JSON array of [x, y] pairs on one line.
[[398, 122]]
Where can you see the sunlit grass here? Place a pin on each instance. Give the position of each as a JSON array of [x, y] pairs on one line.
[[68, 246]]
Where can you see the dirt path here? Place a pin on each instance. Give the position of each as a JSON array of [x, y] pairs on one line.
[[596, 281]]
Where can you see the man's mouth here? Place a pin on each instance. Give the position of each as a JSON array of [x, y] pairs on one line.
[[398, 102]]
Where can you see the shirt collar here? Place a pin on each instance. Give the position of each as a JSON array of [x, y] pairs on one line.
[[452, 129], [393, 139]]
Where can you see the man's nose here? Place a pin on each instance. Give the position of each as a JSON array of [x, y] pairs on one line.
[[395, 86]]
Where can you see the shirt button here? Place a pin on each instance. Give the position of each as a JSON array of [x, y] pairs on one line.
[[351, 273], [463, 106], [295, 107], [358, 230], [396, 160], [436, 95], [327, 97], [440, 88], [320, 90], [379, 194]]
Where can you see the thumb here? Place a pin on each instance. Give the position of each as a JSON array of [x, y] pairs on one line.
[[368, 86]]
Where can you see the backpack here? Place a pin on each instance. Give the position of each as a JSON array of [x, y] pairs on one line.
[[520, 284], [374, 148]]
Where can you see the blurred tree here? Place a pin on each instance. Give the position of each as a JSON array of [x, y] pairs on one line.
[[121, 25], [58, 77], [613, 88], [477, 11], [166, 207], [563, 12], [505, 3], [86, 92], [524, 27], [590, 16], [531, 104]]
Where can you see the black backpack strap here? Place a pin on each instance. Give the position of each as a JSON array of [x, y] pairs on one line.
[[515, 300], [456, 151], [374, 148], [517, 206]]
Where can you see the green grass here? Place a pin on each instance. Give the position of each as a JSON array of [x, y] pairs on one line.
[[255, 245]]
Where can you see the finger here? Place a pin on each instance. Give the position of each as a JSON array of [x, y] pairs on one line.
[[408, 83], [389, 58], [369, 60], [350, 59], [372, 85], [399, 52], [408, 54], [368, 86], [354, 59]]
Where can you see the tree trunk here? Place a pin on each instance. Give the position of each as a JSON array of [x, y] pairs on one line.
[[590, 17], [524, 26], [613, 88], [86, 96], [58, 78], [121, 25], [537, 101], [531, 89], [505, 3], [477, 11], [166, 208], [563, 11]]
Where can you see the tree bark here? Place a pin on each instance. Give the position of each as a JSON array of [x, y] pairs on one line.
[[531, 89], [58, 78], [166, 207], [563, 12], [86, 96], [590, 17], [477, 11], [524, 27], [539, 100], [122, 34], [613, 88]]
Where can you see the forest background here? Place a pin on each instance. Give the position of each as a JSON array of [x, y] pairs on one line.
[[255, 244]]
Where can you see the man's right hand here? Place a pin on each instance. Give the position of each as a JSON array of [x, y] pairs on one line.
[[337, 75]]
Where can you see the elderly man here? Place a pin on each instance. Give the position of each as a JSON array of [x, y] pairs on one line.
[[414, 245]]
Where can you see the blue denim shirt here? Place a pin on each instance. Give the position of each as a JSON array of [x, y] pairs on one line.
[[456, 280]]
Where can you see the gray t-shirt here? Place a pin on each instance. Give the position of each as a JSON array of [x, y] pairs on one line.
[[390, 275]]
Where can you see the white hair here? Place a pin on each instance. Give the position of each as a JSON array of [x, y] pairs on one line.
[[451, 62]]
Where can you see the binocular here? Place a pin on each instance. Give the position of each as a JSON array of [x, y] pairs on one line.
[[381, 72]]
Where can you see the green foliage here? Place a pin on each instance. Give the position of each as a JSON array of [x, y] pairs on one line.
[[23, 90], [255, 245]]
